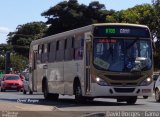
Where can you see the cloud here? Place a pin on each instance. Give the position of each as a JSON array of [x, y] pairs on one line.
[[4, 30]]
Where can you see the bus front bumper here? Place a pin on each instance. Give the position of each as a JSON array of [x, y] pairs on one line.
[[102, 91]]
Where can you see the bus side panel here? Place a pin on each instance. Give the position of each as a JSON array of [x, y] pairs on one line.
[[72, 69], [40, 72], [55, 77]]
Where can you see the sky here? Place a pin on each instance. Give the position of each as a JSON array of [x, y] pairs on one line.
[[19, 12]]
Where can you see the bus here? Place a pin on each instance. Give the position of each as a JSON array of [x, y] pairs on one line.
[[103, 60]]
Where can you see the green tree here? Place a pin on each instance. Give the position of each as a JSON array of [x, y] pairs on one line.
[[69, 15], [18, 62], [2, 63], [20, 39], [156, 6], [139, 14]]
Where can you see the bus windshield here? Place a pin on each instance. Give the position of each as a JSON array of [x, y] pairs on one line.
[[122, 55]]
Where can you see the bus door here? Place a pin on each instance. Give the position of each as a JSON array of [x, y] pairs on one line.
[[87, 52], [34, 71]]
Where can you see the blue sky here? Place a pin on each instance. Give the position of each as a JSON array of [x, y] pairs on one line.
[[18, 12]]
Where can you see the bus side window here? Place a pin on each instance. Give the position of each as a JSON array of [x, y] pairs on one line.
[[48, 51], [69, 51], [52, 52], [79, 43], [34, 59], [60, 50], [81, 48], [44, 54], [39, 53], [82, 42]]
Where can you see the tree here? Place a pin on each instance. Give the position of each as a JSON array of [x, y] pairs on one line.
[[16, 65], [24, 34], [18, 62], [139, 14], [156, 5], [69, 15]]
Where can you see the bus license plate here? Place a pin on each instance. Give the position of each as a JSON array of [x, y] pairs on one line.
[[146, 90]]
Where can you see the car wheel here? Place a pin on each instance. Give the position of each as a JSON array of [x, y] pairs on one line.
[[30, 92], [3, 90], [24, 92], [157, 95]]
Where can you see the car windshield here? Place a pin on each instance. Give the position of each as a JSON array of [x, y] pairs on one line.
[[122, 54], [12, 78]]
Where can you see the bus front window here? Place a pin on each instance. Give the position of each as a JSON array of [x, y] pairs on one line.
[[122, 54]]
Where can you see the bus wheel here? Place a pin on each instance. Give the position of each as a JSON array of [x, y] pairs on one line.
[[54, 96], [131, 100], [78, 93], [47, 95], [157, 95], [45, 92]]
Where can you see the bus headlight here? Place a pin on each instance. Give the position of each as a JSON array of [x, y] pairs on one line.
[[146, 82], [101, 81]]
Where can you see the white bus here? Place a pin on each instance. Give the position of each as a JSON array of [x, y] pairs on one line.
[[110, 60]]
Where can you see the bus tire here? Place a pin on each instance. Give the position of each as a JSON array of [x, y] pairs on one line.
[[45, 91], [157, 95], [47, 95], [131, 100], [54, 96], [78, 93]]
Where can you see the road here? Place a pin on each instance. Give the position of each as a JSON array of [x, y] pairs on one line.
[[16, 101]]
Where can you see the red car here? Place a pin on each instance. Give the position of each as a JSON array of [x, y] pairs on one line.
[[11, 82]]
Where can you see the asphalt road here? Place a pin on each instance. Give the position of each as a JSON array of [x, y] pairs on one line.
[[17, 101]]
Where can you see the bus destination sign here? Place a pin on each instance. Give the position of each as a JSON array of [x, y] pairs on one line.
[[121, 31], [113, 31]]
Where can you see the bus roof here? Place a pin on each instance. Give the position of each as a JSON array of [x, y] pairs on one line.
[[120, 24], [84, 29]]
